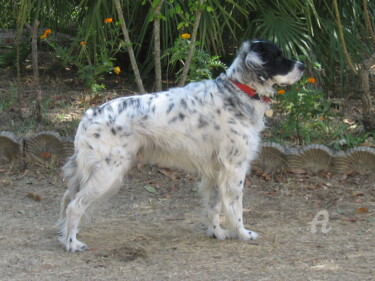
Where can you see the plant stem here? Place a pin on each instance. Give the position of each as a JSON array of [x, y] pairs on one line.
[[34, 55], [133, 61], [342, 39], [192, 45]]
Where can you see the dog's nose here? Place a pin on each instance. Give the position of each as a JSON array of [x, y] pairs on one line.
[[300, 66]]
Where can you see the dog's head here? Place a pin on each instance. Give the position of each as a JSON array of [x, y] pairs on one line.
[[260, 64]]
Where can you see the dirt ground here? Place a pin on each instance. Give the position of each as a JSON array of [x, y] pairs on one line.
[[152, 230]]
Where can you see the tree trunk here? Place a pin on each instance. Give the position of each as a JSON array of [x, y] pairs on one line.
[[133, 61], [34, 55], [364, 89], [157, 52]]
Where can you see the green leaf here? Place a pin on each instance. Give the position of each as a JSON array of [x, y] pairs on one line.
[[151, 189]]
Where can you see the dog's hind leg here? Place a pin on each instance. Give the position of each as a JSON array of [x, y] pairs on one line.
[[231, 193], [105, 178], [212, 207], [72, 177]]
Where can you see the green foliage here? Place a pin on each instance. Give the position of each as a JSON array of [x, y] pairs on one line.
[[202, 64], [91, 65], [305, 109]]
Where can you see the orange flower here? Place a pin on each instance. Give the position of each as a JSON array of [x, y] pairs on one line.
[[311, 80], [83, 43], [117, 70], [185, 36], [46, 32], [108, 20], [281, 92]]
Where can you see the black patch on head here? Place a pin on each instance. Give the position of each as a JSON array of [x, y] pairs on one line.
[[274, 62]]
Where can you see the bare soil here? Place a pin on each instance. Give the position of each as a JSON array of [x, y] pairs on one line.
[[152, 230]]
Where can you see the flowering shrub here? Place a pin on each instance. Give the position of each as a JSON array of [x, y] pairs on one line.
[[202, 64], [91, 59], [303, 108]]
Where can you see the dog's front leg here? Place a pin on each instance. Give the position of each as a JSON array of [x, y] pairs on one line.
[[231, 191]]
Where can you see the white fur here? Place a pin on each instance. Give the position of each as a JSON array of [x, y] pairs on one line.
[[210, 127]]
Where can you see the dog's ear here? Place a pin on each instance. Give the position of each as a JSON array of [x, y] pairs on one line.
[[253, 59]]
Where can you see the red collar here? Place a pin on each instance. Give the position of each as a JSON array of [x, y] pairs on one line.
[[250, 92]]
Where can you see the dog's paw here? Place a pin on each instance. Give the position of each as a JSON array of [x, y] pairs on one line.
[[76, 246], [73, 245], [218, 233], [245, 234]]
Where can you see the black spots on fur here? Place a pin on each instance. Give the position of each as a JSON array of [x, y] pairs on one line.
[[170, 107], [234, 131], [202, 122], [241, 182], [232, 121], [113, 131], [150, 100], [122, 106], [218, 111], [153, 109], [214, 226], [70, 240], [89, 146], [217, 127], [239, 220], [183, 104], [129, 102], [181, 116], [107, 160], [97, 135], [229, 102]]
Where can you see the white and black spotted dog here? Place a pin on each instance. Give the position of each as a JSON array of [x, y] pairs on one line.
[[210, 127]]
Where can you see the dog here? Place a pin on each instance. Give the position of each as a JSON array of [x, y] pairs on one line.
[[210, 127]]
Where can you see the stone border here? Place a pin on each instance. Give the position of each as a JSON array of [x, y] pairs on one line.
[[273, 157]]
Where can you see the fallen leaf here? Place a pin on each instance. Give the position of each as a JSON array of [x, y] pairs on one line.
[[170, 174], [279, 179], [361, 210], [34, 196], [357, 193], [349, 219], [151, 189]]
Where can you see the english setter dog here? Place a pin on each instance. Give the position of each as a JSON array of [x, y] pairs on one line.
[[210, 127]]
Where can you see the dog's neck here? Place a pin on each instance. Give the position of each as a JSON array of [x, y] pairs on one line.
[[250, 92]]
